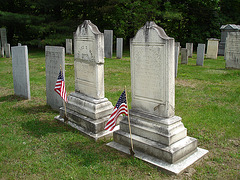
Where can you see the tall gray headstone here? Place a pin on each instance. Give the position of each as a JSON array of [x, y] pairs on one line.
[[176, 59], [8, 51], [119, 48], [87, 109], [212, 48], [3, 37], [200, 54], [54, 58], [189, 47], [184, 56], [225, 29], [159, 137], [108, 43], [232, 50], [68, 46], [21, 71]]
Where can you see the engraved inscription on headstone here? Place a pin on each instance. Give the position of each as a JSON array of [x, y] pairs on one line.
[[55, 57], [21, 71]]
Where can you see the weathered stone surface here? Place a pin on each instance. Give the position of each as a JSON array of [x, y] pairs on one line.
[[54, 59], [232, 50], [87, 109], [68, 46], [189, 47], [3, 34], [176, 59], [119, 48], [184, 56], [156, 131], [108, 43], [200, 54], [212, 48], [21, 71], [8, 51]]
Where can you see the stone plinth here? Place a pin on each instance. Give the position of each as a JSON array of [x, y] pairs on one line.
[[87, 109], [157, 134], [232, 50]]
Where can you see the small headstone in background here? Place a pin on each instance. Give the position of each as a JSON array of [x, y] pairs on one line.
[[184, 56], [212, 48], [108, 43], [3, 33], [232, 50], [200, 54], [19, 44], [2, 51], [55, 56], [68, 46], [189, 47], [21, 71], [176, 59], [8, 51], [119, 48]]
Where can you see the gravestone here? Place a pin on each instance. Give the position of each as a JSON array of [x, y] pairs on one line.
[[200, 54], [68, 46], [87, 109], [184, 56], [189, 47], [54, 58], [8, 51], [159, 137], [178, 45], [108, 43], [232, 50], [212, 48], [225, 29], [2, 51], [21, 71], [19, 44], [3, 34], [119, 48], [176, 58]]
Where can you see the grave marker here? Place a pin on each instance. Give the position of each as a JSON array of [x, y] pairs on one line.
[[8, 51], [212, 48], [184, 56], [119, 48], [200, 54], [54, 57], [21, 71], [189, 47], [68, 46], [108, 43]]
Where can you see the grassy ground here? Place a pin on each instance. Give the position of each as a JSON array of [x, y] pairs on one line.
[[35, 146]]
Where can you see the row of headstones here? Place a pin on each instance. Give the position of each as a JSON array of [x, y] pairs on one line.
[[108, 45]]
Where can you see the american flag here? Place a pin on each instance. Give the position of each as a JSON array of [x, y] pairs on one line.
[[60, 86], [120, 108]]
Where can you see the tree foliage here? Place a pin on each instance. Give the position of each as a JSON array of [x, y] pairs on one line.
[[50, 22]]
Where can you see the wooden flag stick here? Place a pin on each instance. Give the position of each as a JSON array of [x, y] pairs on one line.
[[131, 149]]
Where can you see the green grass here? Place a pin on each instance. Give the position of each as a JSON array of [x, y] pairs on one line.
[[35, 146]]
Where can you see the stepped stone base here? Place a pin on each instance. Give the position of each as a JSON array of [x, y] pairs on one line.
[[163, 140], [88, 115]]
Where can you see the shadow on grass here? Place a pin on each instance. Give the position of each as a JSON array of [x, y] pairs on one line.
[[39, 128], [36, 109], [11, 98]]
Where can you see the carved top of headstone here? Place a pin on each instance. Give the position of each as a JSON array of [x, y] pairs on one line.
[[86, 39], [230, 26], [152, 71]]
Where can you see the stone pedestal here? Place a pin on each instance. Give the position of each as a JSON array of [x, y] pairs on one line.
[[159, 137], [87, 109]]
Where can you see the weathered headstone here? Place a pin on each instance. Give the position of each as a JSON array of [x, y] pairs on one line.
[[212, 48], [178, 45], [119, 48], [225, 29], [159, 137], [189, 47], [3, 34], [176, 58], [19, 44], [108, 43], [184, 56], [54, 58], [21, 71], [232, 50], [8, 51], [2, 51], [200, 54], [68, 46], [87, 109]]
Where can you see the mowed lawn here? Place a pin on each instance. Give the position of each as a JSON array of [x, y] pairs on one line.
[[35, 146]]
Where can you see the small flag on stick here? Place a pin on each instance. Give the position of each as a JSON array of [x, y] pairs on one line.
[[60, 86], [120, 108]]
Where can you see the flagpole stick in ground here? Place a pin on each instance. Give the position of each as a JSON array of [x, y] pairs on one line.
[[131, 149], [64, 104]]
